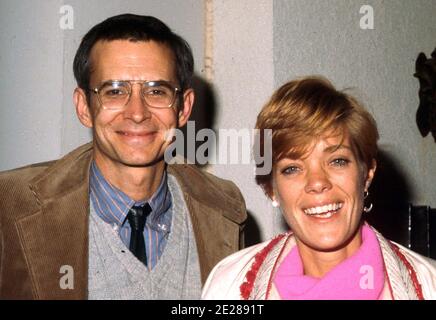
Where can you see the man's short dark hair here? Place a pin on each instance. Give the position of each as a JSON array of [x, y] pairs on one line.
[[134, 28]]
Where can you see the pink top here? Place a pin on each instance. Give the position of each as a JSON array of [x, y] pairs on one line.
[[359, 277]]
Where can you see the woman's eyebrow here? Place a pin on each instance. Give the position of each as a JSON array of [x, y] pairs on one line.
[[333, 148]]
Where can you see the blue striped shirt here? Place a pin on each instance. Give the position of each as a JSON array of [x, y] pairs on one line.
[[112, 205]]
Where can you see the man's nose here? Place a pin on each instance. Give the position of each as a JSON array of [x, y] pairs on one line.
[[136, 108], [318, 181]]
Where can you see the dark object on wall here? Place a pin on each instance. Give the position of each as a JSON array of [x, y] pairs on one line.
[[426, 114], [422, 230]]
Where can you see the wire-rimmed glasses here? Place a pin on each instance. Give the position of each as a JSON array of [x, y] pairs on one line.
[[115, 94]]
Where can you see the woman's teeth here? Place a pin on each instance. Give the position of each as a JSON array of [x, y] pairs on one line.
[[325, 211]]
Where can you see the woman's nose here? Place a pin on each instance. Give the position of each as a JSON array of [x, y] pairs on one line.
[[317, 181]]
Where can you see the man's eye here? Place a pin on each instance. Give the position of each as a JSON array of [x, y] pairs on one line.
[[340, 162], [157, 92], [114, 92]]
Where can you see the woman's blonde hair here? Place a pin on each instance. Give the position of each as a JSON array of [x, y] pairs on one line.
[[309, 108]]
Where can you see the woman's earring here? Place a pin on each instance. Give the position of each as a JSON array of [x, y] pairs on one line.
[[275, 204], [367, 209]]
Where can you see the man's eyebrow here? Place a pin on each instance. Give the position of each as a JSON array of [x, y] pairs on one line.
[[335, 147]]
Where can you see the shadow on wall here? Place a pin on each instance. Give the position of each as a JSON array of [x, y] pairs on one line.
[[252, 231], [203, 114], [390, 194]]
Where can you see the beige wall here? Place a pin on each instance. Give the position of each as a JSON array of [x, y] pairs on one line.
[[324, 37], [37, 117], [255, 46], [258, 45]]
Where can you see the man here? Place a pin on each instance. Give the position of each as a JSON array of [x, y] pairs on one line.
[[111, 220]]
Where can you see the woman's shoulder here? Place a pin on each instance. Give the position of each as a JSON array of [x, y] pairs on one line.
[[425, 269], [225, 279], [417, 258]]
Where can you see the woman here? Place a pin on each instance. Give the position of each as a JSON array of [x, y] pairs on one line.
[[324, 146]]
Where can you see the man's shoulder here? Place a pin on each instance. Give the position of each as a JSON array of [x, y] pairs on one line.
[[28, 172], [24, 174], [15, 191], [16, 182]]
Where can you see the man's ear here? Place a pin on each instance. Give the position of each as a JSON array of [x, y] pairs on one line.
[[186, 107], [370, 175], [82, 108]]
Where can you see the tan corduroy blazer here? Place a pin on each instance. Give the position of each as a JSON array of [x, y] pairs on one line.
[[44, 211]]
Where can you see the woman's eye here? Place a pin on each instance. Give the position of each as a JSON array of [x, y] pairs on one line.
[[290, 170], [340, 162]]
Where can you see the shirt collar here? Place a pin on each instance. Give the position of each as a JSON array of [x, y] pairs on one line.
[[113, 205]]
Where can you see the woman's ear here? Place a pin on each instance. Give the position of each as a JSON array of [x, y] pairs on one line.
[[274, 202], [83, 110], [370, 174], [271, 193]]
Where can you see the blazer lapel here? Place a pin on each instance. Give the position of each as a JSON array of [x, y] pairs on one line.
[[216, 237], [55, 237], [215, 217]]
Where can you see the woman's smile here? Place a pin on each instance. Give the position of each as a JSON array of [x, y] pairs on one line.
[[321, 193]]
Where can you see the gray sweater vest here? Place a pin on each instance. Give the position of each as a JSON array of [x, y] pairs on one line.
[[115, 273]]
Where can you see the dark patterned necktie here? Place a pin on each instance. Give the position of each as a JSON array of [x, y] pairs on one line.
[[137, 217]]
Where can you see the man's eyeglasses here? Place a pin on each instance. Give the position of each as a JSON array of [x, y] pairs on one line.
[[115, 94]]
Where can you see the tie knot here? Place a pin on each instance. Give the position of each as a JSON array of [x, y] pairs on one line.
[[137, 217]]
